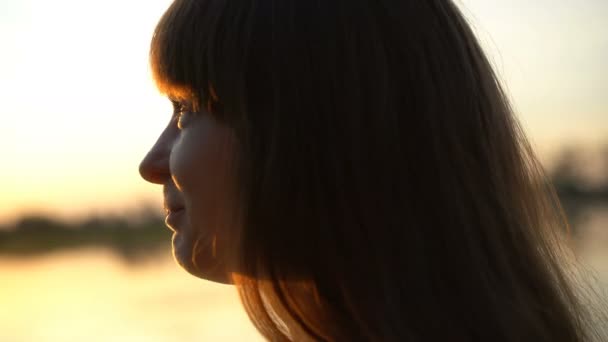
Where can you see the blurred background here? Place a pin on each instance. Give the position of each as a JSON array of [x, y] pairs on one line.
[[84, 254]]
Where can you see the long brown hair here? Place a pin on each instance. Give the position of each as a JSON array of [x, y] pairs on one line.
[[387, 192]]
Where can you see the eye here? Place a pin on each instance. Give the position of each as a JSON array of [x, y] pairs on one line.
[[181, 111], [178, 107]]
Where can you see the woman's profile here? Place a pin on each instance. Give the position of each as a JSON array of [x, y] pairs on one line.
[[355, 169]]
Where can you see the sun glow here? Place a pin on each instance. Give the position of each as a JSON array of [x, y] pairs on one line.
[[79, 107]]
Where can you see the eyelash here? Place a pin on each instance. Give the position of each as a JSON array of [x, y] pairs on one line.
[[179, 109]]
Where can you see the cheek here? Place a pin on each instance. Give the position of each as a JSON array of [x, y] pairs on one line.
[[200, 165], [186, 163], [194, 157]]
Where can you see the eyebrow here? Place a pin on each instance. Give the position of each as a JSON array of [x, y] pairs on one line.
[[180, 98], [174, 92], [184, 96], [180, 102], [177, 96]]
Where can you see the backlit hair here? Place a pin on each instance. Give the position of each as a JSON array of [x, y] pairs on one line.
[[387, 191]]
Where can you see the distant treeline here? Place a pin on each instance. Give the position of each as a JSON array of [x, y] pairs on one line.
[[577, 192], [133, 240], [144, 234]]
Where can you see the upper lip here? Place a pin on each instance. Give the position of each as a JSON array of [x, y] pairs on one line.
[[172, 202], [172, 208]]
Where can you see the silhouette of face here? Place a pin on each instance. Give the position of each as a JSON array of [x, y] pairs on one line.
[[192, 159]]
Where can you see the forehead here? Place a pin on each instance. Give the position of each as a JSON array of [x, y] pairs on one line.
[[176, 65], [175, 93]]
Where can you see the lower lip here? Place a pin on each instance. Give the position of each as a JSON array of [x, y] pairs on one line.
[[174, 218]]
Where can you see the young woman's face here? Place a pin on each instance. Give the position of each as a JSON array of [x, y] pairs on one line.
[[192, 159]]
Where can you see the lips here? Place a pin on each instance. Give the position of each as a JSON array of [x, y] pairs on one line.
[[174, 207], [175, 218]]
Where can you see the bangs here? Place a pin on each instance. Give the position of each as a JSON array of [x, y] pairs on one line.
[[192, 59]]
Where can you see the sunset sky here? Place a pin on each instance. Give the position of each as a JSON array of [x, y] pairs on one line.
[[79, 110]]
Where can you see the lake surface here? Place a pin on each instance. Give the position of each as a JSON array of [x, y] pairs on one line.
[[92, 295]]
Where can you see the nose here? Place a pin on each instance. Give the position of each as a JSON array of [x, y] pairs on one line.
[[155, 166]]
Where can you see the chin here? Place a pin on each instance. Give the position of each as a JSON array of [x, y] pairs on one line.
[[205, 266]]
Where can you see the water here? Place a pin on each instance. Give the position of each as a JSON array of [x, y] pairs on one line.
[[91, 295]]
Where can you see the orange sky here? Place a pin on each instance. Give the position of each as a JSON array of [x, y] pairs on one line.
[[79, 110]]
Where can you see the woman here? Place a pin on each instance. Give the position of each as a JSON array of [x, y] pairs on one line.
[[354, 168]]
